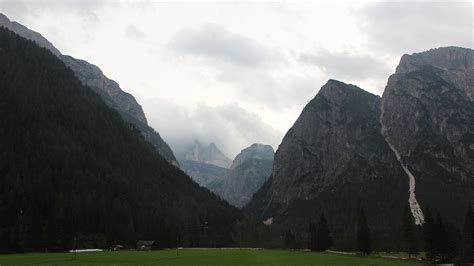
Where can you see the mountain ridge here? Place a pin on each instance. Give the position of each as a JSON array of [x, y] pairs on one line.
[[421, 130], [108, 89], [249, 170]]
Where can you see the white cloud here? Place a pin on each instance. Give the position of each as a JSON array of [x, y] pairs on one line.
[[347, 65], [193, 65], [400, 27], [133, 32], [230, 126], [216, 43]]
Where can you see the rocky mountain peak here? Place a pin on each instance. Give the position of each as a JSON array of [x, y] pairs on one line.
[[250, 169], [334, 160], [28, 34], [427, 115], [446, 58], [3, 18], [337, 92], [255, 151], [209, 154]]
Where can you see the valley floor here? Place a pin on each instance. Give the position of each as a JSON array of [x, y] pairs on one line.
[[197, 257]]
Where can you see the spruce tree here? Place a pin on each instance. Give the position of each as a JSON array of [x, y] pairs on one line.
[[289, 239], [323, 236], [468, 236], [441, 237], [364, 244], [429, 236], [312, 231], [409, 233]]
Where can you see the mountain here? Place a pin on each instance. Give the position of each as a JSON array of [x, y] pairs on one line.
[[249, 170], [72, 167], [204, 164], [428, 118], [202, 173], [209, 154], [351, 150], [91, 76], [334, 161], [235, 181]]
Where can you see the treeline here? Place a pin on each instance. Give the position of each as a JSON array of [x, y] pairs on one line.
[[70, 167], [441, 241]]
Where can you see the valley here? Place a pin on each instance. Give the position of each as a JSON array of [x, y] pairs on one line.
[[363, 175]]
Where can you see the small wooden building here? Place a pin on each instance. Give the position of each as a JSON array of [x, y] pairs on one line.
[[145, 244]]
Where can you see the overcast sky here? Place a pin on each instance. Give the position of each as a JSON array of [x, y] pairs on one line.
[[236, 73]]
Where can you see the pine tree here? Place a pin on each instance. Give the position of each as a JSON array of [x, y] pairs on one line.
[[364, 244], [409, 233], [312, 231], [289, 239], [323, 236], [429, 236], [441, 237], [468, 236]]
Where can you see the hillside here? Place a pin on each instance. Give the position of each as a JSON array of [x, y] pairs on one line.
[[109, 90], [70, 166]]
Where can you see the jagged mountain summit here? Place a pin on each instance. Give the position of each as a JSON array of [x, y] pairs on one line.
[[209, 154], [249, 170], [350, 150], [90, 75], [202, 173], [334, 161], [235, 181], [428, 117], [204, 163]]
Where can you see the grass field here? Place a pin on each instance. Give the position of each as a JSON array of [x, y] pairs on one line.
[[196, 257]]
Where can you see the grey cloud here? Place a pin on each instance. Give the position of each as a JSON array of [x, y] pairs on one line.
[[230, 126], [270, 88], [346, 65], [411, 26], [216, 43], [135, 33], [23, 9]]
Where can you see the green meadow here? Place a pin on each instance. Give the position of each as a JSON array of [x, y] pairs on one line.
[[198, 257]]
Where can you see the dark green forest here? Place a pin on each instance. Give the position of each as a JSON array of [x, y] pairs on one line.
[[71, 167]]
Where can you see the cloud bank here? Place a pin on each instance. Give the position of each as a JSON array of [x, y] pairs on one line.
[[238, 72], [230, 126]]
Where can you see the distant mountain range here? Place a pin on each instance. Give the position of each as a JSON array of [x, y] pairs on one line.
[[249, 170], [209, 154], [351, 150], [209, 167], [91, 76], [78, 159]]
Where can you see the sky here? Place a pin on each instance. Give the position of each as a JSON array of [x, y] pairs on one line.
[[240, 72]]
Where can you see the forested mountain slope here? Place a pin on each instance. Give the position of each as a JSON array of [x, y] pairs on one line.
[[70, 166]]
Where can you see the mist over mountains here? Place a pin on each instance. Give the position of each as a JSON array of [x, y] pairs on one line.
[[78, 155]]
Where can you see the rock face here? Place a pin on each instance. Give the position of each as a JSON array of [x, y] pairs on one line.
[[428, 117], [204, 164], [202, 173], [334, 160], [207, 154], [91, 76], [250, 169], [28, 34], [233, 181], [350, 150]]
